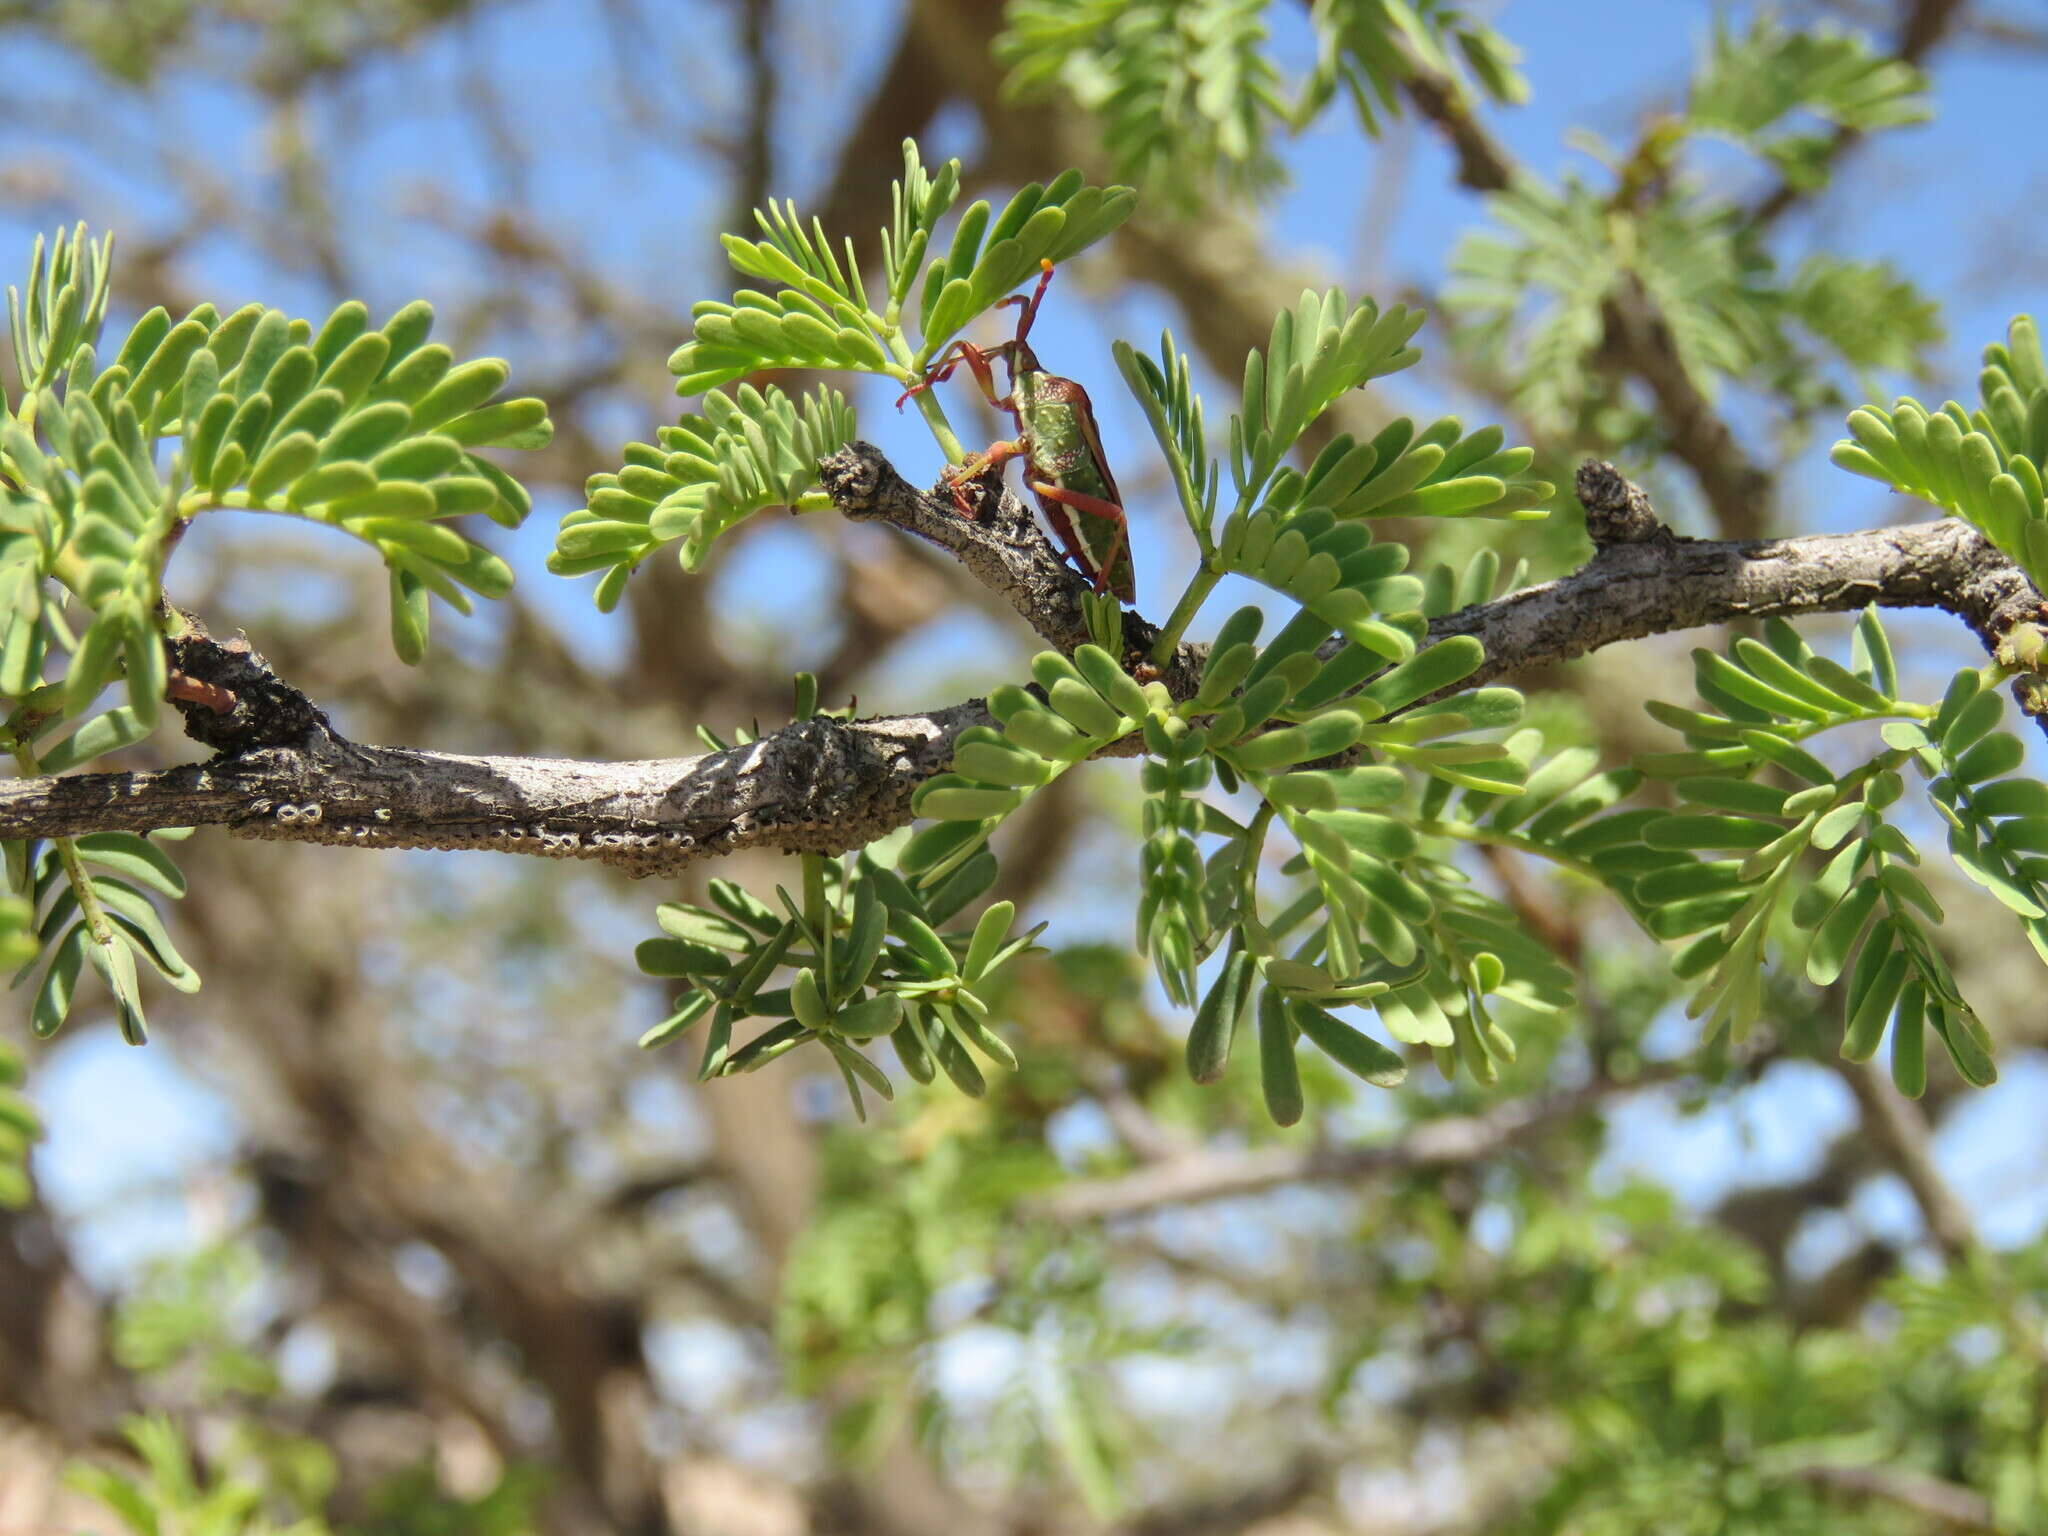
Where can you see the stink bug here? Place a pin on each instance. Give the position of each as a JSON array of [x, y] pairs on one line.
[[1060, 446]]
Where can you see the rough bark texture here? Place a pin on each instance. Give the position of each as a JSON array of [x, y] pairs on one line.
[[1001, 546], [817, 784], [1657, 586], [828, 785]]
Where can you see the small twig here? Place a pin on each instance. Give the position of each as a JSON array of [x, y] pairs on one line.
[[181, 689], [1002, 547]]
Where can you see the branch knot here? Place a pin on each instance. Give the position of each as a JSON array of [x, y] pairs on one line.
[[231, 698], [1617, 510], [852, 477]]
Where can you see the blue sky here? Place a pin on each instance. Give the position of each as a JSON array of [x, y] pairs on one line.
[[1929, 199]]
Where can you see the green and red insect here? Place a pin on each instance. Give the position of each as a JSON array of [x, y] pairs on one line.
[[1058, 441]]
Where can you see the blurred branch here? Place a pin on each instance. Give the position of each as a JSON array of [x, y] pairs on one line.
[[304, 173], [1484, 165], [1949, 1505], [1305, 1477], [1900, 1129], [907, 96], [505, 152], [1149, 1140], [2004, 33], [321, 1216], [1454, 1141], [1922, 25], [356, 1160], [1041, 842], [639, 67], [54, 1364], [755, 171], [1638, 342]]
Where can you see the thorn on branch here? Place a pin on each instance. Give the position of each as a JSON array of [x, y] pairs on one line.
[[1617, 510], [182, 689]]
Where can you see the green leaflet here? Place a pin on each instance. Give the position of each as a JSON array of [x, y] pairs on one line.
[[750, 449], [1984, 465], [76, 890], [864, 956], [987, 259], [1760, 88], [263, 416]]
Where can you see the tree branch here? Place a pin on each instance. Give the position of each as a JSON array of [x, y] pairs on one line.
[[1922, 26], [1900, 1128], [1002, 546], [819, 784], [827, 785], [1483, 164], [1450, 1142], [1949, 1505], [1628, 591], [1305, 1477], [1637, 340]]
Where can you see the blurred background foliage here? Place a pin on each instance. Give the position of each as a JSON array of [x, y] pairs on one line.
[[396, 1231]]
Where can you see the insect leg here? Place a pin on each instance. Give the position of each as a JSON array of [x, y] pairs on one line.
[[1030, 305], [994, 456], [978, 361], [1095, 506]]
